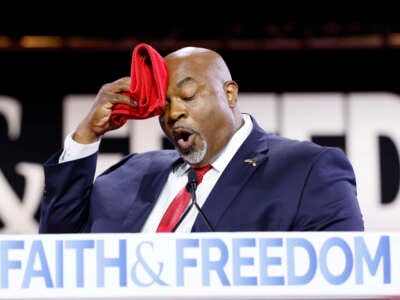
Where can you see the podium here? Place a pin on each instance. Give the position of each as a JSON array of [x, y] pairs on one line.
[[240, 265]]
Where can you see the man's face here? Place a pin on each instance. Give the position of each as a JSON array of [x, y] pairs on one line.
[[197, 119]]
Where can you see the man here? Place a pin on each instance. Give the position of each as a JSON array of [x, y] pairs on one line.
[[257, 181]]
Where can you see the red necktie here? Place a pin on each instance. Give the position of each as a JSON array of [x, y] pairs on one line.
[[178, 205]]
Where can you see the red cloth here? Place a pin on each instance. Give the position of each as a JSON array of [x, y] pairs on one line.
[[178, 205], [149, 79]]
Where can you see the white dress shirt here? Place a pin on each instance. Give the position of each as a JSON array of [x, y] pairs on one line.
[[177, 179]]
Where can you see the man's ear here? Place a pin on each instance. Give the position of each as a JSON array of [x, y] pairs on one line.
[[231, 91]]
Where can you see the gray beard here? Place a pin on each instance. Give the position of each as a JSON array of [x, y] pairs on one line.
[[194, 157]]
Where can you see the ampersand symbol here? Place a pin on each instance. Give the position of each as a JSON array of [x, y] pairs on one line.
[[155, 276]]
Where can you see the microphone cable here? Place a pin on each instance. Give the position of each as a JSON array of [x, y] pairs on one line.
[[191, 186]]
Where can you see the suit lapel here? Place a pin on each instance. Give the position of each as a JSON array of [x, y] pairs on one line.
[[150, 189], [253, 152]]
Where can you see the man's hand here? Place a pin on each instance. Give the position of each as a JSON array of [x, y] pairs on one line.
[[98, 122]]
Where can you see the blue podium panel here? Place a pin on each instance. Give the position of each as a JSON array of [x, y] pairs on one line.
[[246, 265]]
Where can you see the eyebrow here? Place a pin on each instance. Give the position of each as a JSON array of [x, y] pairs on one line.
[[184, 81]]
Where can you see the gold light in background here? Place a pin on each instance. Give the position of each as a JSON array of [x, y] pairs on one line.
[[5, 42], [30, 41]]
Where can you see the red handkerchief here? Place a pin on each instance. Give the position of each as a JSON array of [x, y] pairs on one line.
[[149, 79]]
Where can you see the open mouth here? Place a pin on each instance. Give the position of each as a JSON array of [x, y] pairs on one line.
[[184, 138]]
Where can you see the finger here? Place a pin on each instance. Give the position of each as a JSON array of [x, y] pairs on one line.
[[121, 85], [125, 98]]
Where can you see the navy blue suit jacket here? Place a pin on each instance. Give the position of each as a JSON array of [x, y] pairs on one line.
[[294, 186]]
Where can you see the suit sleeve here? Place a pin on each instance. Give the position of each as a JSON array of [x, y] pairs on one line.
[[329, 196], [65, 203]]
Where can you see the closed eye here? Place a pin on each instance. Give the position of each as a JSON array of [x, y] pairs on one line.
[[189, 98]]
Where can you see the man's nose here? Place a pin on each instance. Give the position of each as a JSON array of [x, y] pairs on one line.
[[176, 110]]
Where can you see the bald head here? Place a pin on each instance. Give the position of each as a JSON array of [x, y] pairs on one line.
[[198, 62]]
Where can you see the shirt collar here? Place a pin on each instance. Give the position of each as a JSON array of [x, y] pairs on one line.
[[233, 145]]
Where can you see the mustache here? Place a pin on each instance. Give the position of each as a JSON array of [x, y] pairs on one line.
[[182, 132], [188, 129]]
